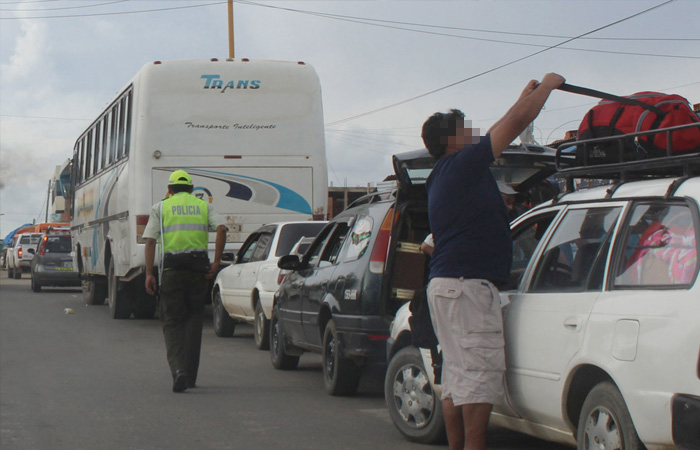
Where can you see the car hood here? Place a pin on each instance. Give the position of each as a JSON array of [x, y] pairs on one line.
[[519, 166]]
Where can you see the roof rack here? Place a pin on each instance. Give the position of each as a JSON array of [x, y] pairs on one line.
[[671, 165]]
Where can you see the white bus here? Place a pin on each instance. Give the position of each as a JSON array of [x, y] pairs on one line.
[[250, 133]]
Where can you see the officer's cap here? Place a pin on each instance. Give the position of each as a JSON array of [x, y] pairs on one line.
[[180, 177]]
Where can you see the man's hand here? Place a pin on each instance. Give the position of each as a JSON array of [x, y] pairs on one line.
[[213, 270], [151, 285]]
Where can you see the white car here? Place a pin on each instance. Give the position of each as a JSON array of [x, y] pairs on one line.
[[602, 323], [19, 256], [243, 291]]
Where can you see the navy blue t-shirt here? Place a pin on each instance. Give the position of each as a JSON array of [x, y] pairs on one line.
[[468, 217]]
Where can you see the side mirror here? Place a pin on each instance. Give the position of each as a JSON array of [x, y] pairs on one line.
[[289, 262], [32, 251]]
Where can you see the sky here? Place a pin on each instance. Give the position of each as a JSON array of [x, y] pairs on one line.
[[384, 67]]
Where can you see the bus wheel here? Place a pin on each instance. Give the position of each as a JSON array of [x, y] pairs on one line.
[[119, 302], [94, 292], [144, 304]]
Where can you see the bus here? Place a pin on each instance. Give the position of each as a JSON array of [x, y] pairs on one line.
[[249, 132]]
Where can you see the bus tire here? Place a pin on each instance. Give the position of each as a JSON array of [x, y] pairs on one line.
[[119, 303], [94, 292]]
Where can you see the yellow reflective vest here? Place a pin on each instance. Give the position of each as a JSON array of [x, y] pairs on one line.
[[185, 221]]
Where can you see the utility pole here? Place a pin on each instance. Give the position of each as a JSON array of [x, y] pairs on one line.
[[48, 197], [231, 49]]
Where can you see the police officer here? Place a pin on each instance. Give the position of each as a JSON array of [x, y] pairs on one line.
[[182, 222]]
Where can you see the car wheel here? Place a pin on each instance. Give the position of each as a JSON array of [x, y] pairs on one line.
[[414, 406], [10, 272], [605, 421], [224, 325], [280, 359], [341, 376], [119, 303], [261, 328], [36, 287], [94, 293], [18, 273]]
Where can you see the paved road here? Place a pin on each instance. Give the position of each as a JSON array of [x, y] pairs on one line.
[[85, 381]]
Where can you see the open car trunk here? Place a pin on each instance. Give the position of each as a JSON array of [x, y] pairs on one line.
[[524, 168]]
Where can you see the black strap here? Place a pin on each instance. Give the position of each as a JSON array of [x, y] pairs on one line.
[[604, 95]]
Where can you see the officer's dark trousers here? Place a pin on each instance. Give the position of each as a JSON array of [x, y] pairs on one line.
[[182, 300]]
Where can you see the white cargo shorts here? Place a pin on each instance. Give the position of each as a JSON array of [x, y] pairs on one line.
[[466, 315]]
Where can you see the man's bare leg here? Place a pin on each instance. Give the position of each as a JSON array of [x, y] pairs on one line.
[[454, 424], [476, 422]]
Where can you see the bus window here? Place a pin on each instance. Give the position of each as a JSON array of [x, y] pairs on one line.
[[98, 144], [127, 122], [82, 159], [113, 119], [99, 156], [87, 140], [120, 128], [106, 132]]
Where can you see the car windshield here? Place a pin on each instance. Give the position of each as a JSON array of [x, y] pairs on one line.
[[58, 244], [291, 233]]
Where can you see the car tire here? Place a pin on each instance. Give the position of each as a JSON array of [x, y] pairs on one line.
[[10, 272], [224, 325], [605, 421], [17, 273], [119, 302], [36, 287], [341, 376], [261, 328], [94, 293], [279, 358], [414, 406]]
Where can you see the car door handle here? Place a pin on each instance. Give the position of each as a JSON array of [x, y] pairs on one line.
[[572, 324]]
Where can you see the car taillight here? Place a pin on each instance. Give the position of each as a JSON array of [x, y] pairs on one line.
[[281, 276], [377, 261], [42, 246], [141, 222], [19, 252]]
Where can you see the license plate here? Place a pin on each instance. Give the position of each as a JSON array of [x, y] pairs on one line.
[[64, 268]]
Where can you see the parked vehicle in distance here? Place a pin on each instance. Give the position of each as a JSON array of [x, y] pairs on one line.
[[19, 257], [243, 291], [340, 297], [601, 326], [53, 264]]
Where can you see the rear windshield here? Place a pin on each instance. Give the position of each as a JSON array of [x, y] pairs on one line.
[[58, 244], [24, 240], [292, 232]]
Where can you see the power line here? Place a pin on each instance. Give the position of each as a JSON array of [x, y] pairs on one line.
[[362, 21], [443, 27], [338, 122], [64, 7], [115, 13], [41, 117]]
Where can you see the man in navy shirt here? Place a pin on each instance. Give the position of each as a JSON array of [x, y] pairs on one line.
[[472, 254]]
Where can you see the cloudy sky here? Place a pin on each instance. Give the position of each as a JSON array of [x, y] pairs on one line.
[[384, 67]]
